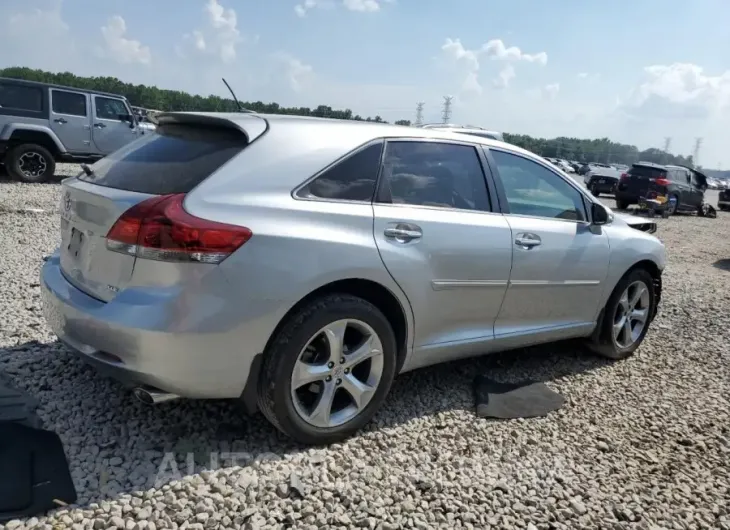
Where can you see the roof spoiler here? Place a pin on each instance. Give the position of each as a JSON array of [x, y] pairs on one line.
[[250, 124]]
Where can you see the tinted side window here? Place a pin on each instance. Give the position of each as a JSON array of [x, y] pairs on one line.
[[71, 103], [20, 97], [434, 174], [352, 179], [109, 108], [174, 159], [536, 191]]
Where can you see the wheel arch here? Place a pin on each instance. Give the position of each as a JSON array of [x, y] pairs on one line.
[[40, 137], [375, 293]]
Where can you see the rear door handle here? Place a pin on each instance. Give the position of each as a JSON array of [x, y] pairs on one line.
[[100, 126], [60, 120], [403, 232], [527, 241]]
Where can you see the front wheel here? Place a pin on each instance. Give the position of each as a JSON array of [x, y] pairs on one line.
[[626, 317], [30, 163], [328, 369]]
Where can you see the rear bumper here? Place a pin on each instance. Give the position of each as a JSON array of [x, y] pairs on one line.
[[607, 186], [3, 149], [138, 341]]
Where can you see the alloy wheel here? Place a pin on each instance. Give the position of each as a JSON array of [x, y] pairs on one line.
[[32, 164], [632, 314], [337, 373]]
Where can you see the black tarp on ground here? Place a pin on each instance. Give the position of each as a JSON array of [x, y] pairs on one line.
[[527, 399], [34, 472]]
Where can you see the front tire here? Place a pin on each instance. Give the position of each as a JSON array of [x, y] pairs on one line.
[[328, 369], [30, 163], [626, 317]]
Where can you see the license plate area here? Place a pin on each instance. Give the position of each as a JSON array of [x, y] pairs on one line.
[[76, 242]]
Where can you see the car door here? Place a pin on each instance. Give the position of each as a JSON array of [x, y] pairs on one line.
[[441, 241], [560, 261], [70, 120], [112, 128]]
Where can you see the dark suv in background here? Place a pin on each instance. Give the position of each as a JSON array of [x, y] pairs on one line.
[[682, 187]]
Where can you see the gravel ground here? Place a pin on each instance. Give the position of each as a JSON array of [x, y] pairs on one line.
[[643, 443]]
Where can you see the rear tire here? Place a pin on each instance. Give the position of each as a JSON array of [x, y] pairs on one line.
[[594, 191], [621, 205], [30, 163], [632, 299], [301, 352]]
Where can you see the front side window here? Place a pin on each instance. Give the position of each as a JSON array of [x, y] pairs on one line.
[[534, 190], [110, 108], [434, 174], [70, 103], [352, 179], [19, 97]]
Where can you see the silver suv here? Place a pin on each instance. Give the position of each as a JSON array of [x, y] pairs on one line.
[[299, 264], [41, 124]]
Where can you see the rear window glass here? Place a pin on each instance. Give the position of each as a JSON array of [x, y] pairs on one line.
[[648, 172], [173, 159], [21, 97]]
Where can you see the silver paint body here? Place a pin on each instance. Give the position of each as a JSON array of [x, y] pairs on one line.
[[466, 286]]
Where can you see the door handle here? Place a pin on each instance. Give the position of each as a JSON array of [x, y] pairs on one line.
[[60, 120], [527, 241], [99, 126], [403, 232]]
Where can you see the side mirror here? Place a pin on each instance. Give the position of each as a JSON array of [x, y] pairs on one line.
[[599, 214]]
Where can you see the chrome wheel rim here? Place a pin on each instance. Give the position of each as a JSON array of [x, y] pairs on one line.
[[32, 164], [632, 314], [337, 373]]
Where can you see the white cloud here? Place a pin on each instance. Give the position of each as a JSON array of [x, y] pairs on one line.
[[551, 90], [219, 38], [496, 49], [298, 74], [36, 38], [679, 91], [307, 5], [505, 76], [119, 47], [364, 6], [583, 75]]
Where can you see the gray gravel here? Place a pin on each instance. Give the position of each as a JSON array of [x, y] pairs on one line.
[[643, 443]]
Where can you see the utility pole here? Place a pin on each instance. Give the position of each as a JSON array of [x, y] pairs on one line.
[[446, 113], [696, 154], [419, 113], [667, 145]]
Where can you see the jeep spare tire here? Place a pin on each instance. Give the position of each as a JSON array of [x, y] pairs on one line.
[[30, 163]]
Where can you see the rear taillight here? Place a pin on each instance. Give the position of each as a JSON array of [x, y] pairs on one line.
[[662, 182], [624, 176], [160, 229]]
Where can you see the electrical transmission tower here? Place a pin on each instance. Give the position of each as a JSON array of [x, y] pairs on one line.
[[419, 113], [696, 154], [446, 113], [667, 145]]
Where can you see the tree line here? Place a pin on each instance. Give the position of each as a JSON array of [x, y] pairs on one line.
[[151, 97]]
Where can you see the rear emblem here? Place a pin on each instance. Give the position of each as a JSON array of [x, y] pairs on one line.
[[67, 201]]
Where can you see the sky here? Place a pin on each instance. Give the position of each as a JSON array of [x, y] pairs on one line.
[[636, 72]]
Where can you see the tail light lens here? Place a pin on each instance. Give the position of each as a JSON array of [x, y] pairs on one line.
[[160, 229], [662, 182], [624, 176]]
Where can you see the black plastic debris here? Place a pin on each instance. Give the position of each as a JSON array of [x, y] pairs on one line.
[[34, 473], [527, 399], [706, 210]]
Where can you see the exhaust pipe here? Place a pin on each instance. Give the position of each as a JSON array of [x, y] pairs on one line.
[[150, 396]]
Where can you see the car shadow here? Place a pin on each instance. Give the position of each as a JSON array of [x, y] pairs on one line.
[[116, 445], [7, 179], [722, 264]]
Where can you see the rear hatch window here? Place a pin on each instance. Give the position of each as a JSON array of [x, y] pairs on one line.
[[173, 159], [642, 179]]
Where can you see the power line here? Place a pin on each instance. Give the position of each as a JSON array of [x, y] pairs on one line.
[[446, 113], [419, 113]]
